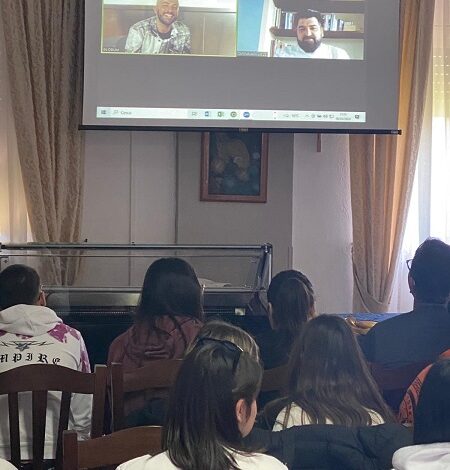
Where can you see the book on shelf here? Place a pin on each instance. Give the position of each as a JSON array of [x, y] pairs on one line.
[[285, 20]]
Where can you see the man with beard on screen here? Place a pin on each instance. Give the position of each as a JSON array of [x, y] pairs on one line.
[[309, 27], [160, 34]]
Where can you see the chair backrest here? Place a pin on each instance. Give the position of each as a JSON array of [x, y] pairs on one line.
[[159, 376], [39, 379], [393, 382], [110, 450], [275, 379]]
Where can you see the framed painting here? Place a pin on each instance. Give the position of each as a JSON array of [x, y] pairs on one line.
[[234, 167]]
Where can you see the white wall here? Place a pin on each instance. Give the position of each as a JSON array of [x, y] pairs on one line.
[[322, 219], [139, 188]]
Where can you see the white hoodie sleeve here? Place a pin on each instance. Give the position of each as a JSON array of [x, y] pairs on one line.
[[81, 415], [421, 457], [80, 418]]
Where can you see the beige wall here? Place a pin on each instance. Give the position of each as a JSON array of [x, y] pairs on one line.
[[228, 222], [140, 188]]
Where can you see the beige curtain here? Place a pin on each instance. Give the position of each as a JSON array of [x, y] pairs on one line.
[[43, 40], [382, 168], [13, 210]]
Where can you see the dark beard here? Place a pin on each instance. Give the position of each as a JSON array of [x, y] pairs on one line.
[[164, 21], [309, 47]]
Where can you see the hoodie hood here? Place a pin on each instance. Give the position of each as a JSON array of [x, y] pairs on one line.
[[167, 339], [28, 320], [427, 456]]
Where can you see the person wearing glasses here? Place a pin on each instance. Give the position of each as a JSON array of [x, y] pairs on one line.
[[422, 334], [309, 27], [32, 333], [212, 407]]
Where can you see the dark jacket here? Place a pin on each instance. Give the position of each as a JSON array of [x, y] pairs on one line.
[[327, 447], [415, 337]]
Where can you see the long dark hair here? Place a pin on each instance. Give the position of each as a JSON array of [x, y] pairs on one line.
[[291, 295], [432, 415], [328, 377], [170, 288], [201, 421]]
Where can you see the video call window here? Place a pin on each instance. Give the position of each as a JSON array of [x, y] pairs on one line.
[[298, 29], [195, 27], [235, 28]]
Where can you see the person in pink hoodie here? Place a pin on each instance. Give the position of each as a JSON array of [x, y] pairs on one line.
[[31, 333], [168, 318]]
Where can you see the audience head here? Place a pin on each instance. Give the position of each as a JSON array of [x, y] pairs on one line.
[[429, 276], [328, 377], [432, 415], [218, 329], [20, 284], [291, 301], [212, 405], [170, 288]]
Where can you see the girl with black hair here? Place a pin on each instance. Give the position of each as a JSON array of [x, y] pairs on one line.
[[212, 407], [431, 424], [291, 304], [168, 318], [328, 380]]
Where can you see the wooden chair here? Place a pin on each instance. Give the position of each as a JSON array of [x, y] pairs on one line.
[[159, 376], [110, 450], [393, 382], [274, 380], [39, 379]]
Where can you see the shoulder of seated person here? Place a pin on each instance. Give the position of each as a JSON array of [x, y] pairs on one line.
[[160, 461], [263, 461], [402, 317]]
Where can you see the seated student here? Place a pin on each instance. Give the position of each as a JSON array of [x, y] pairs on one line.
[[424, 333], [291, 305], [212, 407], [220, 330], [328, 447], [31, 333], [155, 410], [328, 380], [409, 403], [168, 318], [431, 424]]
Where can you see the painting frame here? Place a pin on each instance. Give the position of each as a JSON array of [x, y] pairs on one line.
[[241, 188]]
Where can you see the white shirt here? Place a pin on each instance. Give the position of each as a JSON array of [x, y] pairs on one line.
[[5, 465], [297, 417], [244, 462], [423, 457], [324, 51]]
